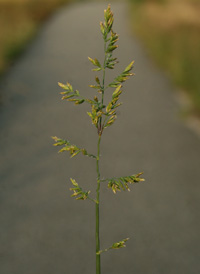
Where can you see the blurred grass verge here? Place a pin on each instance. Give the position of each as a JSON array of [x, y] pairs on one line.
[[170, 30], [19, 22]]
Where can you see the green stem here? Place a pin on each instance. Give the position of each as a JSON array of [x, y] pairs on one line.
[[104, 72], [98, 258], [100, 129]]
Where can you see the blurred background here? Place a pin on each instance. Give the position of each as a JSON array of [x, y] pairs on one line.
[[42, 229], [169, 30], [19, 21]]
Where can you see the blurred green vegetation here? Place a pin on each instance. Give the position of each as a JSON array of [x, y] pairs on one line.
[[19, 21], [169, 29], [171, 32]]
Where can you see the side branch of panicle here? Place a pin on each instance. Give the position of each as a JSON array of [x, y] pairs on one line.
[[116, 245], [73, 149], [122, 183]]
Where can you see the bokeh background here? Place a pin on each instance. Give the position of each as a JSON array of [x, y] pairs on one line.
[[44, 230], [169, 30]]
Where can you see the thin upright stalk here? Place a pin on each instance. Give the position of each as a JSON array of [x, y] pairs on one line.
[[102, 116], [104, 72], [98, 258]]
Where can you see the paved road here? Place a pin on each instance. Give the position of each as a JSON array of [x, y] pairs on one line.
[[42, 229]]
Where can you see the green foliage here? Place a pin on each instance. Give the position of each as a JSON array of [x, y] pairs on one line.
[[19, 22], [70, 95], [102, 116], [78, 192], [174, 43], [123, 76], [96, 63], [121, 183], [117, 245], [73, 149]]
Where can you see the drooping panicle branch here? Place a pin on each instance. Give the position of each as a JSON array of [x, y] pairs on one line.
[[73, 149]]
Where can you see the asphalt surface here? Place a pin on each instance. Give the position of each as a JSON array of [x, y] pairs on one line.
[[42, 229]]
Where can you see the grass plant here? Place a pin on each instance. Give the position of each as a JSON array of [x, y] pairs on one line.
[[102, 117]]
